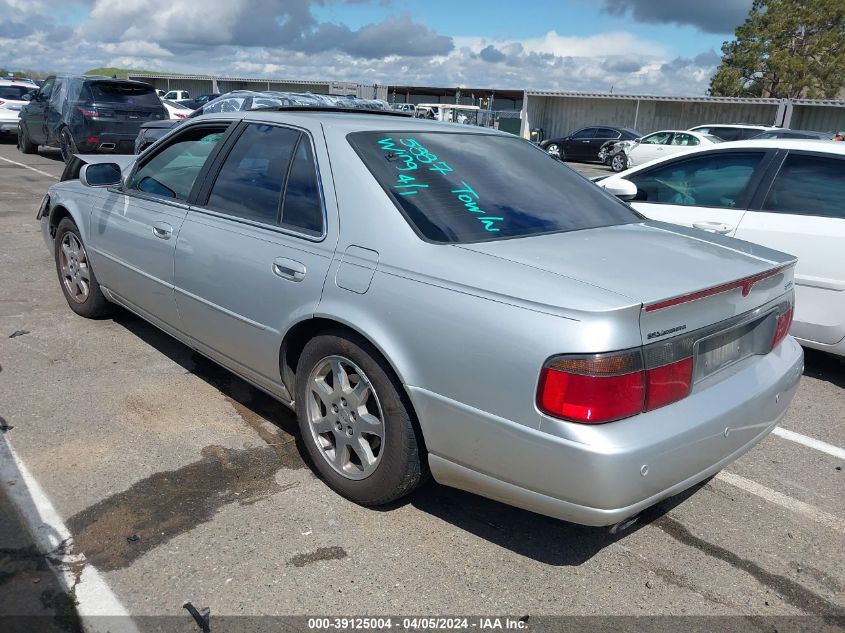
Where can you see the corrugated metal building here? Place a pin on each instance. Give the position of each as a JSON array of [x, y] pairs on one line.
[[559, 113], [197, 85]]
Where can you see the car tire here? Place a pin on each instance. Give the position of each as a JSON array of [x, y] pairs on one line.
[[356, 420], [619, 162], [24, 144], [67, 145], [554, 150], [76, 276]]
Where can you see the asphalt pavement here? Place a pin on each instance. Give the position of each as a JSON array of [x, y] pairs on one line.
[[177, 481]]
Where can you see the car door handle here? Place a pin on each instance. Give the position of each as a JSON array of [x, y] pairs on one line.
[[289, 269], [162, 230], [714, 227]]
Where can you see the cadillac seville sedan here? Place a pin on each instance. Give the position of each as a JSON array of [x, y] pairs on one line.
[[438, 299]]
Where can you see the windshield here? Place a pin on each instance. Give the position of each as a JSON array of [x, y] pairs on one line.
[[458, 187], [124, 93]]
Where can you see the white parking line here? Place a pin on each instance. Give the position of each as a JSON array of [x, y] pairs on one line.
[[37, 171], [824, 447], [93, 595], [784, 501]]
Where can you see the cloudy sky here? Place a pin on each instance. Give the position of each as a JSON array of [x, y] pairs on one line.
[[634, 46]]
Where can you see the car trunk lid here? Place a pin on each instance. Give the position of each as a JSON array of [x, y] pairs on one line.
[[684, 279]]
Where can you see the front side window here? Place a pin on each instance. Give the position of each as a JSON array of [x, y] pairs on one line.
[[712, 180], [809, 185], [171, 173], [467, 187], [252, 178], [47, 89], [658, 138]]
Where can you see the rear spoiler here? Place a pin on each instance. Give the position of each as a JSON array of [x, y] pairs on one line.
[[745, 283], [72, 168]]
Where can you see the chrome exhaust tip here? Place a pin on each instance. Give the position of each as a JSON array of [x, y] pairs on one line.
[[106, 146], [623, 525]]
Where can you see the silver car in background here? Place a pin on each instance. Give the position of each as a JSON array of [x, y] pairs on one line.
[[443, 299]]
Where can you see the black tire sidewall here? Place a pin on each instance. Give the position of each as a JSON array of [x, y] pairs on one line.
[[95, 305], [66, 144], [401, 466]]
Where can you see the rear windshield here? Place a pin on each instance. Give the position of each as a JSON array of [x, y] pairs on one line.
[[127, 94], [458, 187], [16, 93]]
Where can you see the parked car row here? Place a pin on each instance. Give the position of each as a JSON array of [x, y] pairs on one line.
[[621, 148]]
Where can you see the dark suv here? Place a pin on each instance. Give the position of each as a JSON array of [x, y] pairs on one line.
[[87, 114]]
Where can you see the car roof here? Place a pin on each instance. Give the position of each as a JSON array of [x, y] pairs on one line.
[[742, 126], [806, 144], [352, 120]]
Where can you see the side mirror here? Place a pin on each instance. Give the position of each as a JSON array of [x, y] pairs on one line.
[[619, 187], [100, 175]]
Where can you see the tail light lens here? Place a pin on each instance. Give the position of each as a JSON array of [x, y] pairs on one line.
[[606, 387], [593, 389], [88, 112], [179, 115], [784, 322], [2, 103]]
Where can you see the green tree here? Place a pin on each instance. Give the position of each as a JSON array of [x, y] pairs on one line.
[[785, 49]]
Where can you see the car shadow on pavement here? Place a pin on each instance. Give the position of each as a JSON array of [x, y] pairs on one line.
[[547, 540], [544, 539], [822, 366], [253, 405]]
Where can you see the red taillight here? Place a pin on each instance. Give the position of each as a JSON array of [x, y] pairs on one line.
[[590, 399], [88, 112], [92, 140], [607, 387], [784, 322], [180, 116], [668, 383], [2, 103]]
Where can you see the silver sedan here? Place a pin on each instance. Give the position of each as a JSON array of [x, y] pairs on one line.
[[440, 299]]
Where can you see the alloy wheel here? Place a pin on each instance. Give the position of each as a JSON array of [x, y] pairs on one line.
[[73, 262], [553, 150], [618, 163], [345, 417]]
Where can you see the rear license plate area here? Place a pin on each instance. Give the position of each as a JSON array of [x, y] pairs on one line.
[[720, 350]]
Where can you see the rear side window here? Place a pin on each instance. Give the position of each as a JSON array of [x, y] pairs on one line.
[[124, 93], [711, 180], [302, 209], [252, 178], [684, 139], [462, 187], [809, 185], [171, 173], [606, 132]]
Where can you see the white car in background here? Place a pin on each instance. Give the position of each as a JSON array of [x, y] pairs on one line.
[[664, 143], [12, 98], [176, 110], [732, 131], [177, 95], [785, 194]]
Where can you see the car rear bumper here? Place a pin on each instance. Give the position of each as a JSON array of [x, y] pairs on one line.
[[108, 142], [9, 126], [612, 471]]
